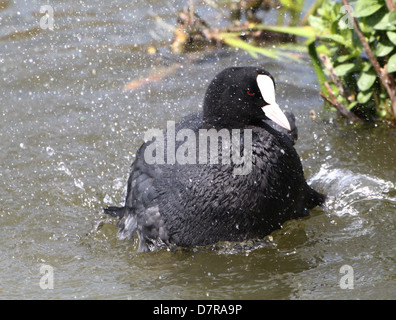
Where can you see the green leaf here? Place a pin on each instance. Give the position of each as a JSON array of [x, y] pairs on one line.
[[392, 17], [351, 105], [316, 22], [322, 49], [366, 8], [377, 21], [372, 38], [343, 69], [367, 80], [317, 67], [234, 41], [311, 11], [366, 66], [392, 64], [291, 5], [344, 58], [238, 43], [392, 35], [384, 23], [304, 31], [364, 96], [334, 37], [383, 48]]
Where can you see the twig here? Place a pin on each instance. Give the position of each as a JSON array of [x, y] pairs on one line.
[[390, 4], [338, 105], [191, 11], [329, 66], [384, 76]]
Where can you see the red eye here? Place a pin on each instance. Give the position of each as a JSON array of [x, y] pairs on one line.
[[250, 93]]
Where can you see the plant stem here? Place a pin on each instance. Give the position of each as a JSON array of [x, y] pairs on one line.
[[311, 11], [390, 4], [329, 66], [338, 105]]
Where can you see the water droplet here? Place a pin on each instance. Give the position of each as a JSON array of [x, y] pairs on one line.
[[107, 199], [79, 184], [62, 167], [50, 151]]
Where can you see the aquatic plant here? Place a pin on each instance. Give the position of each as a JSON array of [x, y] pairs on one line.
[[243, 30], [354, 57]]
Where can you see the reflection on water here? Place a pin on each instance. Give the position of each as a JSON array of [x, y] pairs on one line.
[[69, 133]]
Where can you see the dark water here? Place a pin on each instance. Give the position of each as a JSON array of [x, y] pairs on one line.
[[69, 133]]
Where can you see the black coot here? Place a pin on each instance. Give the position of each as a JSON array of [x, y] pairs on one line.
[[188, 199]]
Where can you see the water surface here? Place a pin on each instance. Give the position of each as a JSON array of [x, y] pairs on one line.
[[69, 133]]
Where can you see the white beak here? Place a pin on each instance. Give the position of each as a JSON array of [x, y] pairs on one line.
[[275, 113], [272, 110]]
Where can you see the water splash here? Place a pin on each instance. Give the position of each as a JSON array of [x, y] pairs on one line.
[[348, 192], [79, 184], [62, 167]]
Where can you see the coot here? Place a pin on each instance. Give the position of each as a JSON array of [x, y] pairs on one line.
[[243, 184]]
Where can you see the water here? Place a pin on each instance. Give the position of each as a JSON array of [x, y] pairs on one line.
[[69, 133]]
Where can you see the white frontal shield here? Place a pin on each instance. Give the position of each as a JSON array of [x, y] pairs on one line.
[[272, 110]]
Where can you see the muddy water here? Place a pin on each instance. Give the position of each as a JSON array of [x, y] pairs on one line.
[[69, 132]]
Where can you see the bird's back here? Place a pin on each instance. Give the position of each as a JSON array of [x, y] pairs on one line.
[[199, 204]]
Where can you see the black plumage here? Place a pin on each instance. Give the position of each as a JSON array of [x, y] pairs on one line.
[[200, 204]]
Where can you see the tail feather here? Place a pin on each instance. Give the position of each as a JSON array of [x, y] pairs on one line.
[[315, 199], [117, 212], [127, 224]]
